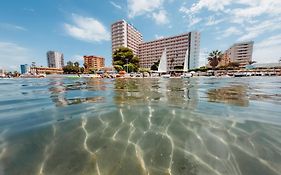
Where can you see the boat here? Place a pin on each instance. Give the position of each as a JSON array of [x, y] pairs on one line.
[[86, 76], [240, 74], [73, 76], [163, 67], [186, 74], [166, 76], [33, 76]]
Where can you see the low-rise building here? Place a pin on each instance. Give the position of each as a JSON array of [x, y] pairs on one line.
[[93, 62], [46, 70]]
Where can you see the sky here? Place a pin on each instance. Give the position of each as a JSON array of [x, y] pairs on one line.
[[30, 28]]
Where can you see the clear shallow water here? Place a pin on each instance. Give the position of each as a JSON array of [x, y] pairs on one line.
[[140, 126]]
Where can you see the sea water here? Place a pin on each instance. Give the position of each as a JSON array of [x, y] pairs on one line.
[[196, 126]]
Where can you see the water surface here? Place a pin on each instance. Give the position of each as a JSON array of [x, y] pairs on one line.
[[200, 126]]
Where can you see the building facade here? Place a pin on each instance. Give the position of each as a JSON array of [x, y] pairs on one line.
[[93, 62], [46, 70], [124, 34], [225, 60], [178, 47], [241, 53], [24, 68], [2, 73], [55, 59]]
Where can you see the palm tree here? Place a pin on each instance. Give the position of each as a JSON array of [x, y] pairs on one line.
[[214, 58]]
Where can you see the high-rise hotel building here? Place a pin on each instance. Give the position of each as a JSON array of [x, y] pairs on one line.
[[240, 53], [55, 59], [124, 34], [177, 47]]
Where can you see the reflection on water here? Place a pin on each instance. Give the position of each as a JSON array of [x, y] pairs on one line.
[[60, 92], [235, 95], [171, 92], [140, 126]]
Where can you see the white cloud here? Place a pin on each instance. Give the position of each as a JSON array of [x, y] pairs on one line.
[[140, 7], [29, 10], [212, 21], [87, 29], [247, 19], [235, 11], [267, 54], [115, 5], [211, 5], [263, 27], [7, 26], [159, 36], [12, 55], [160, 17], [268, 50], [231, 31], [271, 41], [152, 9], [193, 21]]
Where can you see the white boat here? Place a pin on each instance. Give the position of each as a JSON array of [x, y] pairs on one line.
[[86, 76], [163, 67], [186, 74], [166, 76]]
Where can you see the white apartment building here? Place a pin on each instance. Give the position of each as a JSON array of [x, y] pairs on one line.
[[241, 53], [124, 34], [177, 47], [2, 73], [55, 59]]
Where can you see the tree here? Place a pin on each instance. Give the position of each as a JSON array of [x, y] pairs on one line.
[[124, 57], [118, 67], [76, 64], [252, 62], [233, 64], [93, 70], [130, 67], [33, 64], [142, 70], [16, 74], [69, 63], [82, 69], [155, 65], [214, 58], [72, 68]]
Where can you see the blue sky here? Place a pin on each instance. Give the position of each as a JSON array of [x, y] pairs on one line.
[[28, 29]]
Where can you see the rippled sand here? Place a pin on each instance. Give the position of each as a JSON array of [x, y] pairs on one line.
[[142, 126]]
